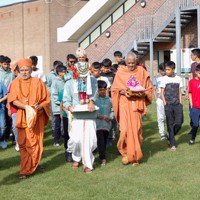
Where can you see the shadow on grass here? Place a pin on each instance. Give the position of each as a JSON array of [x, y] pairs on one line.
[[152, 143], [7, 163], [49, 165], [112, 153]]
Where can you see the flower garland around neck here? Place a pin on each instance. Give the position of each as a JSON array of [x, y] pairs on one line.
[[21, 91]]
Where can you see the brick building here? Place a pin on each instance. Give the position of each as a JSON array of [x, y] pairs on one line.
[[30, 28], [164, 29], [52, 28]]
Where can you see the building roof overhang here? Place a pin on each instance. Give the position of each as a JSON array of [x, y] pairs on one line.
[[84, 19]]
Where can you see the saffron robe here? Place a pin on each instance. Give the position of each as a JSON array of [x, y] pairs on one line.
[[128, 112], [30, 139]]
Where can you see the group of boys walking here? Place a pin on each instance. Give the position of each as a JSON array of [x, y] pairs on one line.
[[87, 103], [168, 96]]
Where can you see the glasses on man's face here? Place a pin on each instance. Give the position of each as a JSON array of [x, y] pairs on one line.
[[71, 61], [131, 63]]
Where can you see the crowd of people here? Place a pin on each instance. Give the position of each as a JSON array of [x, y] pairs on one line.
[[87, 104]]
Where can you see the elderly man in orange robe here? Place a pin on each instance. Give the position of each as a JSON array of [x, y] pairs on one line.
[[32, 100], [129, 107]]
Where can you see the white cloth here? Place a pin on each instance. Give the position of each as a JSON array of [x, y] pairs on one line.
[[160, 116], [31, 116], [103, 78], [83, 141], [39, 74], [75, 86], [89, 86]]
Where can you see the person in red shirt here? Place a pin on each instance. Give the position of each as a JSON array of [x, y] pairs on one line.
[[12, 112], [195, 56], [194, 97]]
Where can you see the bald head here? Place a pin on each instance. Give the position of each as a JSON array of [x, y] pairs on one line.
[[131, 60]]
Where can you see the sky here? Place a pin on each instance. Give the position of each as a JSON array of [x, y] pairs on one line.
[[8, 2]]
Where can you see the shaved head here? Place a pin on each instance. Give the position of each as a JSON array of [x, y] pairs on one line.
[[131, 60], [131, 55]]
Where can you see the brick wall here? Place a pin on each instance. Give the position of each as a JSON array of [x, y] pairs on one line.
[[31, 29], [102, 44]]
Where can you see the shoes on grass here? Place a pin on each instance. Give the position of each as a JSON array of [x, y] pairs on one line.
[[173, 148], [56, 144], [163, 138], [135, 164], [191, 142], [3, 144], [17, 147], [23, 176], [125, 160], [87, 170], [68, 157], [40, 168], [103, 162]]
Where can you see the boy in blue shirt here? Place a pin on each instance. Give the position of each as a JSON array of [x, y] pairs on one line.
[[103, 122], [3, 97], [56, 87], [64, 117]]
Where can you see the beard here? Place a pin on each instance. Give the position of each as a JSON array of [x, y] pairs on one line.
[[27, 76]]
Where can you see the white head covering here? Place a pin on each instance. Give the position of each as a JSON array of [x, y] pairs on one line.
[[80, 52]]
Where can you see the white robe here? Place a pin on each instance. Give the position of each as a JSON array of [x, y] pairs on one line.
[[83, 141]]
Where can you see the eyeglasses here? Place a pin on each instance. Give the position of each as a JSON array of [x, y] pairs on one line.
[[71, 61]]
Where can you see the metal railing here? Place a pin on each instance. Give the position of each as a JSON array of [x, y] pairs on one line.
[[139, 29], [166, 13], [148, 27]]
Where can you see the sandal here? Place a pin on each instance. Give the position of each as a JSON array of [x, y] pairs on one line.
[[125, 160], [40, 168], [23, 176], [87, 170], [135, 164], [75, 165]]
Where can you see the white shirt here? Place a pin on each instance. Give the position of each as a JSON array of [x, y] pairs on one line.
[[172, 87], [156, 82], [171, 80], [39, 74]]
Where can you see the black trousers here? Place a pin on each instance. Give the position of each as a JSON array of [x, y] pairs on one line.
[[57, 129], [66, 134], [102, 136], [174, 118]]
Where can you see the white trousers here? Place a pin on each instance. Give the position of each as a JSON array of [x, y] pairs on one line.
[[83, 141], [160, 116]]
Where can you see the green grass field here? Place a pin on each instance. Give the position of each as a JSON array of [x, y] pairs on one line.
[[162, 174]]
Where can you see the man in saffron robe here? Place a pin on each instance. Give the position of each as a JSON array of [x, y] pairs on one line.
[[129, 109], [32, 100]]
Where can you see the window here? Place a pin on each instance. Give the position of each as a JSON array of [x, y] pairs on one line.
[[85, 42], [118, 13], [128, 4], [95, 34], [106, 24]]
